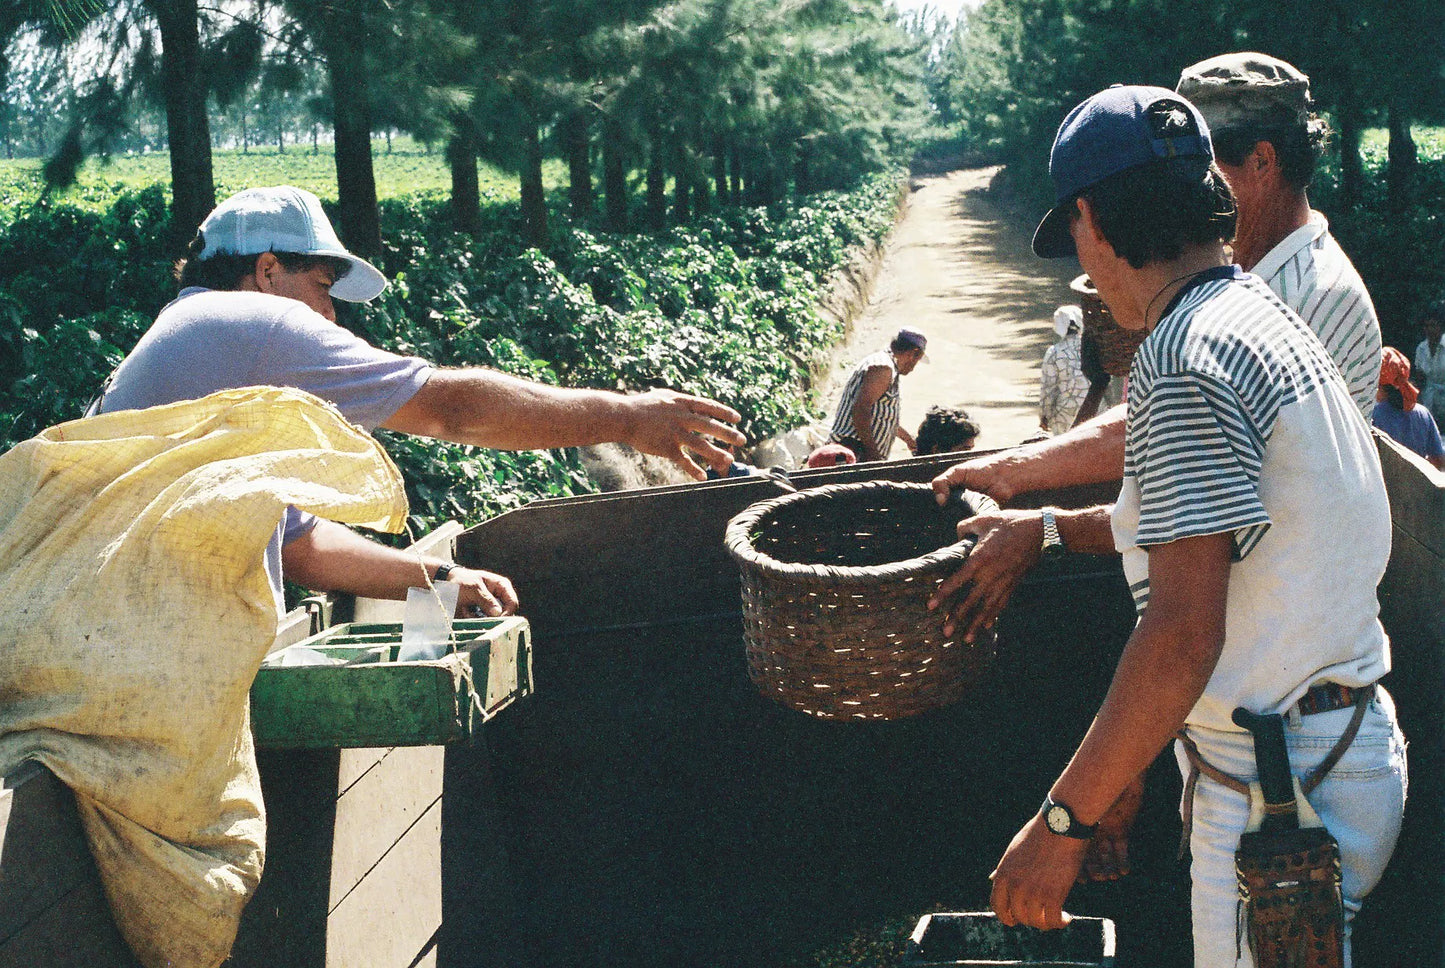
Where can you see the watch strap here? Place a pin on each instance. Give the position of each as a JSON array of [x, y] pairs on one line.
[[1053, 541], [1061, 820], [443, 573]]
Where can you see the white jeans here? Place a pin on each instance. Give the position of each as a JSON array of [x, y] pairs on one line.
[[1361, 802]]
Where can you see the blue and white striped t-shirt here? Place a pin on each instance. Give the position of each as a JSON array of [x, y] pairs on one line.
[[1240, 422], [884, 418]]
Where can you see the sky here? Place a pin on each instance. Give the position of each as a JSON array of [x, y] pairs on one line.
[[950, 8]]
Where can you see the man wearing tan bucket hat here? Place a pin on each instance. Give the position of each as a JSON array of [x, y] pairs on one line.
[[255, 308]]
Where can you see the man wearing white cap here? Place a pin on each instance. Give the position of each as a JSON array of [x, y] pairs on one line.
[[255, 308], [867, 417]]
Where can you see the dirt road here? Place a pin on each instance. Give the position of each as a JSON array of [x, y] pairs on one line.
[[956, 269]]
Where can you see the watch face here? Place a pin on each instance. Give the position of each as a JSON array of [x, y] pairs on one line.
[[1057, 818]]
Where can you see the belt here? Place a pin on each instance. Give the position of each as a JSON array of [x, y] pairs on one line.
[[1326, 697]]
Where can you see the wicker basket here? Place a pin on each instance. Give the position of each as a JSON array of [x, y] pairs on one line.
[[836, 581], [1116, 344]]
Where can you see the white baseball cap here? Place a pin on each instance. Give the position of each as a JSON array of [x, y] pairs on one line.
[[286, 219]]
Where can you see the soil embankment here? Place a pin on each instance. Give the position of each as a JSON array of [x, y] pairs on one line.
[[958, 269]]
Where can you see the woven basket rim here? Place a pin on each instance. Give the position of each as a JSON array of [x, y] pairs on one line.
[[739, 531]]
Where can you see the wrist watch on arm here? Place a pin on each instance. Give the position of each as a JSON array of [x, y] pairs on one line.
[[1053, 546], [1060, 820]]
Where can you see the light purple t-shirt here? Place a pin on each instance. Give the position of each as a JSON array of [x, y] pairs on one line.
[[206, 340]]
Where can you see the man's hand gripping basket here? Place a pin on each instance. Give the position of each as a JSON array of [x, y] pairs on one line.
[[836, 581]]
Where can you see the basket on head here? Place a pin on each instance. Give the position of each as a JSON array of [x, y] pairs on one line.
[[836, 581], [1116, 344]]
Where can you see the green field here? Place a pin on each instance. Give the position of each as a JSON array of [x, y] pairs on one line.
[[407, 169]]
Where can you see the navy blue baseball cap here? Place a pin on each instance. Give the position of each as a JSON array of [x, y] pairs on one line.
[[1119, 128]]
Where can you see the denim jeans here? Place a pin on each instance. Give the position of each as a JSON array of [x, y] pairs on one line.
[[1361, 802]]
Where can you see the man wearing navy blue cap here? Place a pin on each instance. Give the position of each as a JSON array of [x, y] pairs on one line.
[[1243, 451], [255, 308]]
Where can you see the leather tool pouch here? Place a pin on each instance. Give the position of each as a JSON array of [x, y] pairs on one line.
[[1289, 886]]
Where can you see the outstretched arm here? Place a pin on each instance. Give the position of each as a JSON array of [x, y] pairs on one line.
[[1090, 453], [492, 409], [333, 558]]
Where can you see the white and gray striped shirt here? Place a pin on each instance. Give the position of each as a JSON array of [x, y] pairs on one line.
[[1314, 277], [884, 419], [1239, 422]]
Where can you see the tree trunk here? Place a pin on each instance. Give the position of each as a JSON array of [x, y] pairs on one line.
[[1400, 178], [735, 163], [614, 177], [360, 227], [1352, 167], [188, 128], [681, 182], [656, 186], [534, 199], [701, 196], [466, 186], [802, 171], [579, 163], [720, 169]]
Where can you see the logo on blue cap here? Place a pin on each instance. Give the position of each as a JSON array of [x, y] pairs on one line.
[[1115, 130]]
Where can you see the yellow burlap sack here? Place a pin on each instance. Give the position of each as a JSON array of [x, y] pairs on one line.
[[136, 613]]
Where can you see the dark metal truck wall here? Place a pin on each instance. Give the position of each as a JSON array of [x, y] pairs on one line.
[[647, 807]]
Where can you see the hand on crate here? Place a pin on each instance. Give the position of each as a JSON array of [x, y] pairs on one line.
[[483, 594], [1034, 876]]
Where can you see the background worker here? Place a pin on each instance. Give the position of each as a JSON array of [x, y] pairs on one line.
[[1244, 451], [1429, 373], [1399, 413], [255, 308], [867, 417], [946, 429], [1062, 384]]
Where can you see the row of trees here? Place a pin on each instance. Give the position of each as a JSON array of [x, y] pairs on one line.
[[1013, 68], [709, 99]]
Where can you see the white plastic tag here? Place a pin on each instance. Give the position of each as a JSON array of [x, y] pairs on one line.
[[426, 625]]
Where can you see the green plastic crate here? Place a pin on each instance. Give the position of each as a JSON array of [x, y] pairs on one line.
[[374, 700], [977, 938]]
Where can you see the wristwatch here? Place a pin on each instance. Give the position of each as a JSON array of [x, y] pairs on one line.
[[1060, 820], [443, 573], [1053, 546]]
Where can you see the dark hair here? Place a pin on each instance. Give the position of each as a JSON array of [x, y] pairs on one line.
[[225, 271], [1394, 396], [1149, 213], [899, 345], [1299, 147], [943, 429], [1434, 310]]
